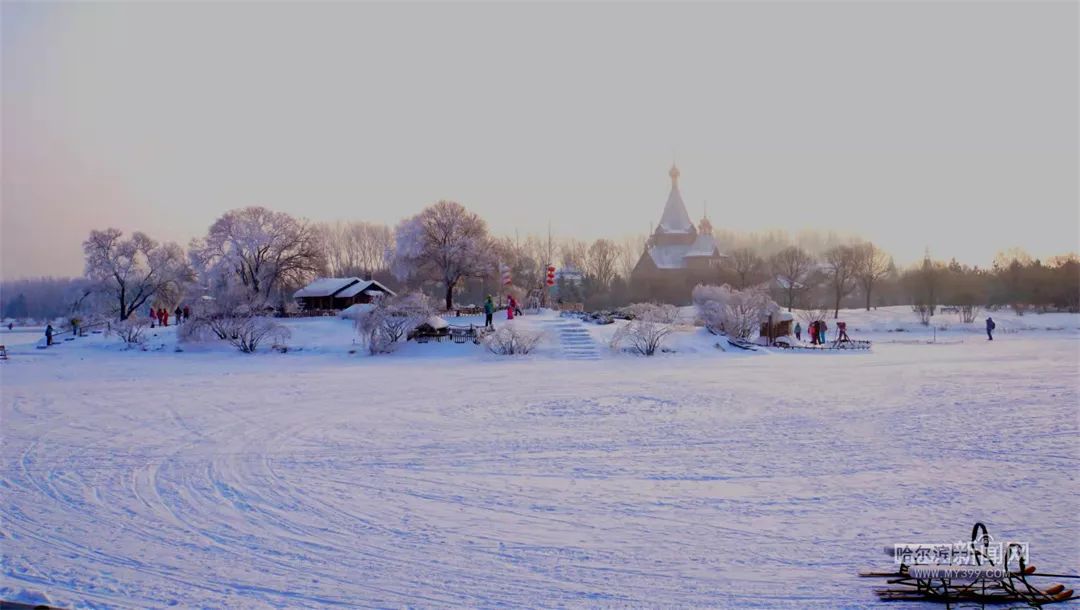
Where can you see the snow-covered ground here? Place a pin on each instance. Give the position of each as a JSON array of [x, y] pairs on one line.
[[444, 476]]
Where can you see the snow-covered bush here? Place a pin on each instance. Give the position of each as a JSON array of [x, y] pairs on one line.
[[665, 314], [205, 325], [196, 330], [389, 319], [233, 314], [968, 313], [249, 332], [924, 312], [647, 329], [511, 339], [736, 313], [131, 331]]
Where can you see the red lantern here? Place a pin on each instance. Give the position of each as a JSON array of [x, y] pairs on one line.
[[551, 275]]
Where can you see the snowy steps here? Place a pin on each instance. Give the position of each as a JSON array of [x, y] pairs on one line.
[[575, 340]]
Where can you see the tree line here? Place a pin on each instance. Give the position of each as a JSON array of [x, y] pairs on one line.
[[254, 258]]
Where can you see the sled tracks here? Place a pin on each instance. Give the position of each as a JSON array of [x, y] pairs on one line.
[[575, 340]]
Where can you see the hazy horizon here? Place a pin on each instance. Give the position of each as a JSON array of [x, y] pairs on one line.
[[948, 126]]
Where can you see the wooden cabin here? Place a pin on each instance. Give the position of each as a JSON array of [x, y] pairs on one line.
[[329, 293]]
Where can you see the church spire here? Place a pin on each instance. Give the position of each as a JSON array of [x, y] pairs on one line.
[[705, 227], [675, 219]]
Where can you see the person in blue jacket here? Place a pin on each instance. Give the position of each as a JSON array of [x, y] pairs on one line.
[[489, 312], [990, 326]]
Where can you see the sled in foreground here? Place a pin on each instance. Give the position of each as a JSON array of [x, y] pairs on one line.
[[842, 344], [985, 580]]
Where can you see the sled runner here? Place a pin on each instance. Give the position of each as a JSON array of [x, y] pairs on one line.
[[988, 580]]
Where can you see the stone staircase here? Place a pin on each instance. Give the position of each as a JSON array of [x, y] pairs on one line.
[[575, 340]]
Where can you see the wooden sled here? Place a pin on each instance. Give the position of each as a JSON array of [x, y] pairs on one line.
[[1010, 581], [847, 344], [739, 343]]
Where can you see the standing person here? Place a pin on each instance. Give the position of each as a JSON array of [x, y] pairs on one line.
[[813, 332], [822, 329], [798, 332], [153, 317], [489, 312], [990, 326], [48, 335], [164, 317], [511, 304], [187, 313], [179, 313]]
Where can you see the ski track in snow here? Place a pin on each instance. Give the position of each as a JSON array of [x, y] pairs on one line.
[[761, 481]]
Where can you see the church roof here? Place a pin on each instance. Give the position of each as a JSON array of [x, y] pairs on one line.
[[669, 256], [704, 245], [675, 219]]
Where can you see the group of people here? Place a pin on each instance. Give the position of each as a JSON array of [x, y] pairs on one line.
[[512, 309], [160, 316], [816, 331]]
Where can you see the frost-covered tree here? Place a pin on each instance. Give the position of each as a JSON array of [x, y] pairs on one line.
[[791, 267], [630, 250], [736, 313], [445, 242], [923, 284], [355, 248], [572, 253], [841, 268], [524, 258], [134, 271], [872, 264], [261, 248], [601, 261], [747, 266]]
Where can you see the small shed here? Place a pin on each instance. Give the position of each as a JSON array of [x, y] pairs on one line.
[[778, 324], [338, 293], [434, 326]]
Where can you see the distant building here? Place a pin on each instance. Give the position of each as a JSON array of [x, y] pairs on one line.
[[338, 293], [570, 275], [678, 255]]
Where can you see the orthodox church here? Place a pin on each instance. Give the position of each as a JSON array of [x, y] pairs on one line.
[[677, 255]]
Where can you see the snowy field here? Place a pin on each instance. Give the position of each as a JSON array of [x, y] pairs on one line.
[[444, 476]]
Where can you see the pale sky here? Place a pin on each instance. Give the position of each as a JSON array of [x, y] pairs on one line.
[[951, 126]]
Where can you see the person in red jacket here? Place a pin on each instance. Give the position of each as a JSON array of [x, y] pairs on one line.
[[164, 317], [511, 305]]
